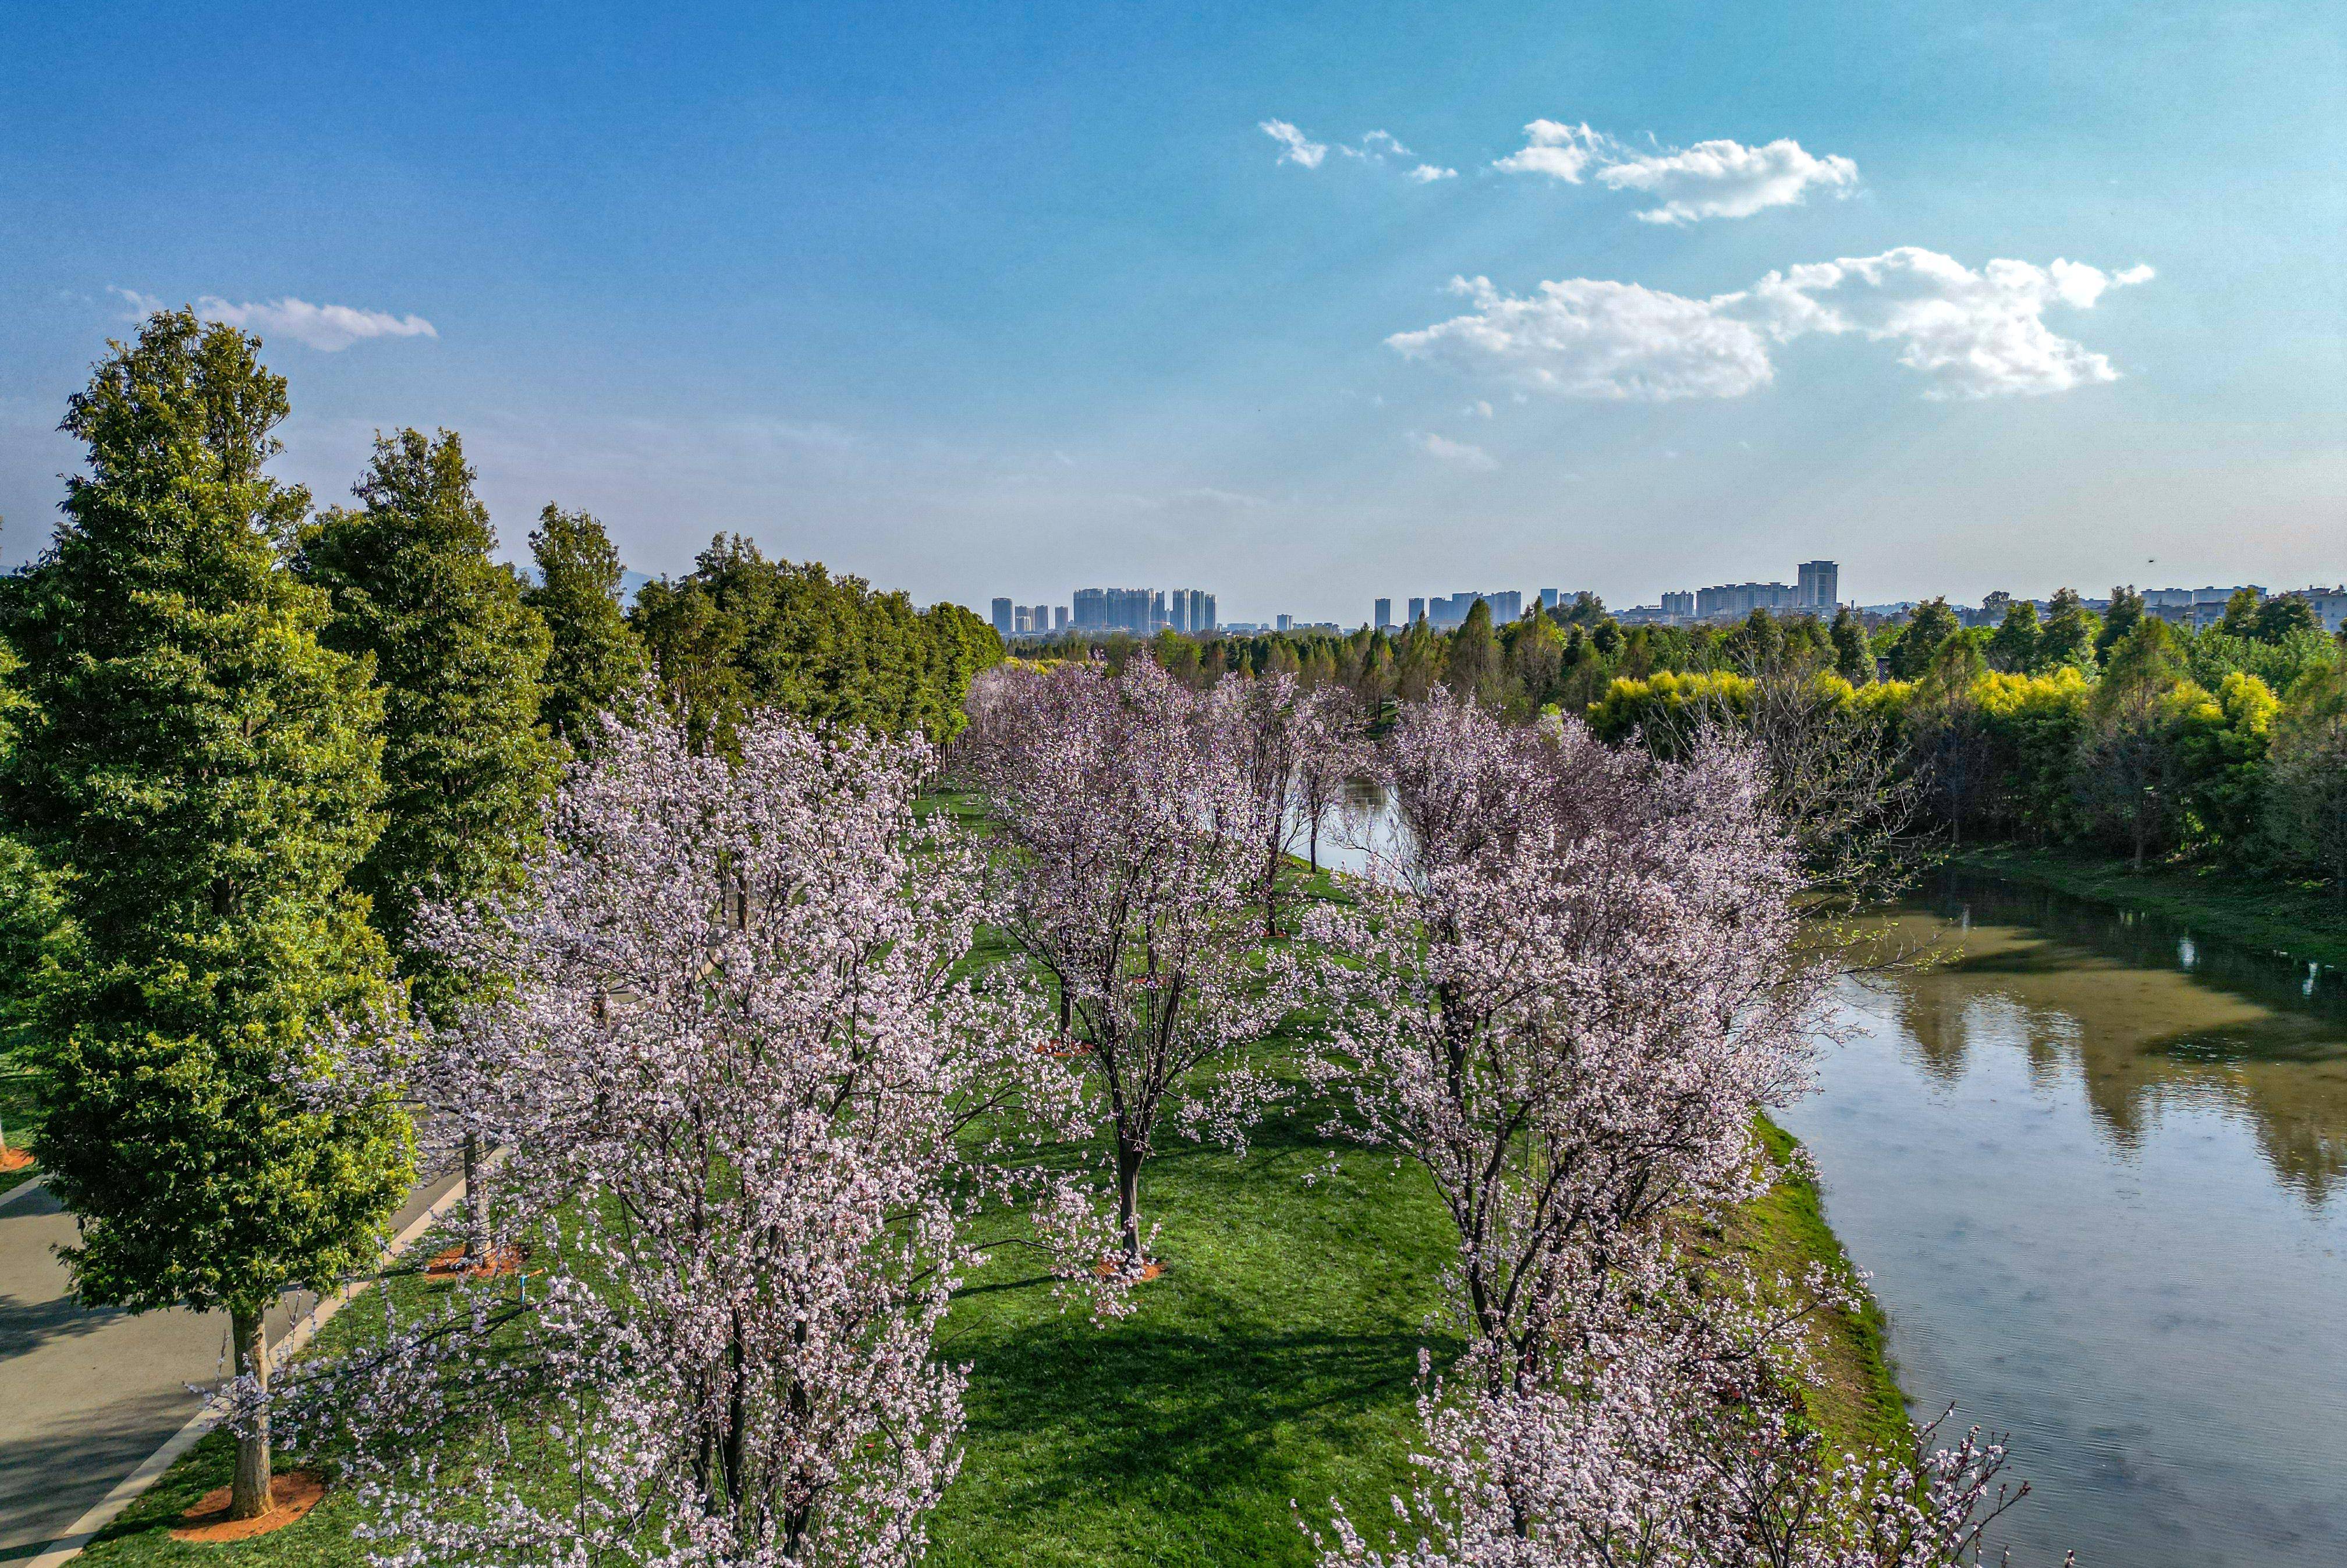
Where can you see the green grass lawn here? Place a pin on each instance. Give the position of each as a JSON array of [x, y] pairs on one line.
[[2304, 919]]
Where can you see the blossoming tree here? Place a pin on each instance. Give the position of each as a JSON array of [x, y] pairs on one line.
[[1568, 989], [1132, 841], [1572, 989], [749, 1101]]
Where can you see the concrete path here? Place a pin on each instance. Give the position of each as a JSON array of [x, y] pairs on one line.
[[85, 1394]]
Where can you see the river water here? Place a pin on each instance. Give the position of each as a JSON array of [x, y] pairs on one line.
[[2097, 1168]]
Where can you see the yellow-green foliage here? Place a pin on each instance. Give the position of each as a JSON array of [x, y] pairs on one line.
[[1663, 702]]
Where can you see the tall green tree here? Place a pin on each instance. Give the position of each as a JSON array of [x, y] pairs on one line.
[[1853, 661], [2068, 637], [2278, 618], [466, 763], [201, 774], [2120, 620], [1472, 668], [2131, 771], [1928, 627], [2307, 793], [2013, 647], [595, 656]]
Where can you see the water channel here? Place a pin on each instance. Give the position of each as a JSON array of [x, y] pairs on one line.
[[2097, 1167]]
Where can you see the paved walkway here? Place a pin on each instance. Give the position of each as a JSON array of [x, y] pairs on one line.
[[86, 1394]]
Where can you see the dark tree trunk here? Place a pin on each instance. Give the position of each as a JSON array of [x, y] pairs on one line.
[[249, 1493], [1128, 1199], [477, 1205]]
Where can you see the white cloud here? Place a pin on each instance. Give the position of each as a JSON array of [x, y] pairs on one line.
[[1559, 151], [1972, 334], [1455, 452], [1728, 179], [1378, 147], [1710, 179], [1586, 338], [327, 328], [1295, 149]]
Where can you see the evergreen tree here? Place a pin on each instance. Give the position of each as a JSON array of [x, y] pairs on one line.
[[460, 658], [1472, 668], [595, 655], [1853, 660], [2013, 646], [2124, 616], [2068, 637], [2240, 613], [2278, 618], [1927, 628], [202, 773]]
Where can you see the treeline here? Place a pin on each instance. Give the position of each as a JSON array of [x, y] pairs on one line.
[[2115, 730]]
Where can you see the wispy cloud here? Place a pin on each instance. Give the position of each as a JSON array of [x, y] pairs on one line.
[[327, 328], [1294, 148], [1972, 334], [1460, 453], [1719, 179], [1378, 147]]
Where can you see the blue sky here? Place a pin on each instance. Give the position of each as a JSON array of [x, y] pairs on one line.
[[992, 299]]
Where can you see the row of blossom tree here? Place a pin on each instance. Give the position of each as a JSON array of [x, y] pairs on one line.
[[763, 1114]]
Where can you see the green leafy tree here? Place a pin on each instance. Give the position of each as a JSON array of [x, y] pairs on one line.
[[200, 771], [2278, 619], [1927, 628], [2068, 639], [2307, 787], [1853, 660], [2131, 766], [2013, 647], [2240, 613], [466, 763], [2120, 622], [1472, 668], [594, 655]]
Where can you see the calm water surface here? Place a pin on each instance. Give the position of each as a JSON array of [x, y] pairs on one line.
[[2097, 1168]]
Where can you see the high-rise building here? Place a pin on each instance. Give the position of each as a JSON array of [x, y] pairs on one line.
[[1090, 612], [1817, 585], [1734, 600], [1205, 606], [1506, 607], [1287, 622], [1417, 611], [1039, 618], [1059, 618], [1385, 613], [1002, 622], [1681, 604], [1551, 598]]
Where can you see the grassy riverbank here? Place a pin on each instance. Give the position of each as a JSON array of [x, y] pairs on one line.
[[2301, 919]]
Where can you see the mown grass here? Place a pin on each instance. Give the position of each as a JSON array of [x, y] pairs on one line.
[[2303, 919], [1272, 1366]]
